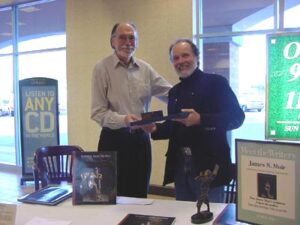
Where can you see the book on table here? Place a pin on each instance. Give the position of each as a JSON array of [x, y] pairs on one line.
[[50, 195], [94, 178], [138, 219]]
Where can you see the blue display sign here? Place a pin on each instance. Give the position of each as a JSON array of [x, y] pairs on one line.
[[39, 118]]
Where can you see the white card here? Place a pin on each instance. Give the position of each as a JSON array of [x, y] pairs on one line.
[[47, 221]]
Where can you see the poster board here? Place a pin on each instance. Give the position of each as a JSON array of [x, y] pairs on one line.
[[283, 87], [38, 117], [268, 182]]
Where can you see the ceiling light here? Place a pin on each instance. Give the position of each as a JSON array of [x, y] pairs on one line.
[[30, 9], [19, 23], [6, 34]]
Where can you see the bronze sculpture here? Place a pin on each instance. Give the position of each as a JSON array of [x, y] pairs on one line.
[[204, 178]]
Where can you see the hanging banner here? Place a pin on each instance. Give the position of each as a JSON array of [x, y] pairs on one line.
[[39, 119], [283, 87]]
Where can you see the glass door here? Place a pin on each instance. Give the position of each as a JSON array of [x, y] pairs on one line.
[[32, 44], [7, 122]]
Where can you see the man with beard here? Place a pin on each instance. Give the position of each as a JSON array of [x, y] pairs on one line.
[[197, 142], [122, 87]]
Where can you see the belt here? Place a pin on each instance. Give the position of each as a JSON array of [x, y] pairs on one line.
[[125, 130], [187, 159]]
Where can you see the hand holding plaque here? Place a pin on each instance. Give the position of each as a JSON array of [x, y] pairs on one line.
[[156, 116]]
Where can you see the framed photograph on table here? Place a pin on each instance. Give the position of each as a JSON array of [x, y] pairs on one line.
[[94, 178], [268, 182]]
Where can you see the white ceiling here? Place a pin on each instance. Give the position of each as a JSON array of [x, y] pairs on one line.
[[217, 13]]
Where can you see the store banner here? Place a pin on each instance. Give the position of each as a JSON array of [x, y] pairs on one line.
[[39, 118], [283, 87]]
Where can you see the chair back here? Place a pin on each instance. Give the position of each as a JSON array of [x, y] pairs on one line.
[[230, 189], [53, 164]]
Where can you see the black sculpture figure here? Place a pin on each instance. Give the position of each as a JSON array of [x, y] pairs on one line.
[[205, 178]]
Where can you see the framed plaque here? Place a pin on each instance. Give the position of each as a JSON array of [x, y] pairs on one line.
[[268, 182]]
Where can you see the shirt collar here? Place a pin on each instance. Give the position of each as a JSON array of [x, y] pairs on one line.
[[118, 62]]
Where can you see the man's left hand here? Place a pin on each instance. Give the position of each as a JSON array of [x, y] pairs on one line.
[[192, 119]]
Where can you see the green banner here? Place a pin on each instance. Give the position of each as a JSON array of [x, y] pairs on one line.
[[283, 87]]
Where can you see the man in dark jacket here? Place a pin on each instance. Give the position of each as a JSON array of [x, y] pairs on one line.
[[197, 142]]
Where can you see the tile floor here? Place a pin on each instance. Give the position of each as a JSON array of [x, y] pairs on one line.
[[10, 188]]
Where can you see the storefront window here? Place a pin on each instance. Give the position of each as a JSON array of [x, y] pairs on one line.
[[33, 46], [232, 40]]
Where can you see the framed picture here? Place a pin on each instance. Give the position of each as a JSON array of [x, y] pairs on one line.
[[94, 178], [268, 182]]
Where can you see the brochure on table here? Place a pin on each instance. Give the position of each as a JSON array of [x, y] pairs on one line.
[[139, 219], [268, 182], [49, 195]]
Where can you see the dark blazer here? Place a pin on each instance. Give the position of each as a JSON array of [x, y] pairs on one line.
[[211, 96]]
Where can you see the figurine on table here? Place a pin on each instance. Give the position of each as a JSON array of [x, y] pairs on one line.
[[204, 178]]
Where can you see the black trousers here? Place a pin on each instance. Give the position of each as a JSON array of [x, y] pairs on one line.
[[133, 159]]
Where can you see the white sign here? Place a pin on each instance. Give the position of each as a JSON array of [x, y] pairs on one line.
[[267, 182]]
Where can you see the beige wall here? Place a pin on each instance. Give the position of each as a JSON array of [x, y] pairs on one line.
[[89, 24]]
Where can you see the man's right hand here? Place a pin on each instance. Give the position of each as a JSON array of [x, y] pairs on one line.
[[130, 118], [148, 128]]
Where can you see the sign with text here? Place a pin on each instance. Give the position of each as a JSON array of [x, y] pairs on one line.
[[283, 87], [39, 117], [268, 182]]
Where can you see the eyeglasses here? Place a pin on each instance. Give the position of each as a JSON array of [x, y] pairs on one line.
[[124, 37]]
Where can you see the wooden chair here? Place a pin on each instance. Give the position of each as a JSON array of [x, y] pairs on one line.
[[53, 164], [230, 189]]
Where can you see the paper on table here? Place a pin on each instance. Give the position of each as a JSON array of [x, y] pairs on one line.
[[46, 221], [133, 201]]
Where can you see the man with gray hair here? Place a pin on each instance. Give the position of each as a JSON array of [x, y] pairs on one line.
[[122, 88]]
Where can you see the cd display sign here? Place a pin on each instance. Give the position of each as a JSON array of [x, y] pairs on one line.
[[39, 118]]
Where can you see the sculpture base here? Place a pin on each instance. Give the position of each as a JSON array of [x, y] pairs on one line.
[[202, 217]]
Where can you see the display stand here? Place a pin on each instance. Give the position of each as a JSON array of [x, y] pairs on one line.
[[39, 119]]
